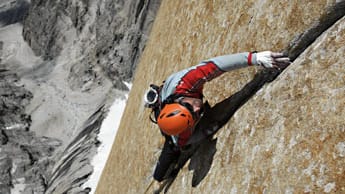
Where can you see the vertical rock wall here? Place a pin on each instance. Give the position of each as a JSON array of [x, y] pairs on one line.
[[289, 138]]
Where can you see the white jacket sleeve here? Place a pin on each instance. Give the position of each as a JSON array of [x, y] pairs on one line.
[[234, 61]]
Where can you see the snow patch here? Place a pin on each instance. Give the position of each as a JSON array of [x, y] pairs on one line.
[[106, 136], [129, 85]]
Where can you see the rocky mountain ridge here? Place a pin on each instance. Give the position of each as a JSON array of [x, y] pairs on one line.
[[62, 65]]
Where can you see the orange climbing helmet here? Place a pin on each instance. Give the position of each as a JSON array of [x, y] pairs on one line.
[[175, 118]]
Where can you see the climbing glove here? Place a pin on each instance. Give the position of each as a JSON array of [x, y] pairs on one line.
[[270, 59]]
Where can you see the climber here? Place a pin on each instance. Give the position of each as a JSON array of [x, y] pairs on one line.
[[178, 103]]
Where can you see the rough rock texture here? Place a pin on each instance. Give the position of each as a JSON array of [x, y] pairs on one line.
[[13, 11], [73, 165], [61, 68], [297, 142], [111, 34], [289, 138], [26, 159]]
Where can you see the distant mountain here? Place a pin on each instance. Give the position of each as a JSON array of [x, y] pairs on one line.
[[62, 64], [13, 11]]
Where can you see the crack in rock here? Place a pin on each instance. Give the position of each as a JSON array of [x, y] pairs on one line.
[[304, 40]]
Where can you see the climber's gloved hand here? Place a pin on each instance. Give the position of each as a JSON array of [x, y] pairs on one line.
[[269, 59]]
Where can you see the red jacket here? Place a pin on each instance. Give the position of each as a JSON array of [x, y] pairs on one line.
[[189, 82]]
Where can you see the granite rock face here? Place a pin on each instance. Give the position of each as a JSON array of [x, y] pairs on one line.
[[288, 138], [62, 64], [297, 142]]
